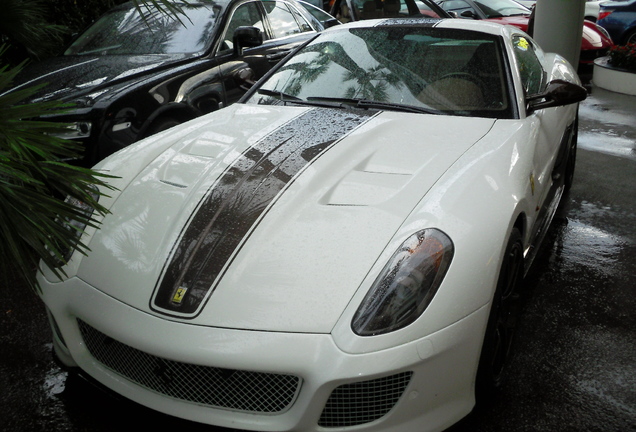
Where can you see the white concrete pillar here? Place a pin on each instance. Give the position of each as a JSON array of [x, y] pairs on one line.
[[558, 27]]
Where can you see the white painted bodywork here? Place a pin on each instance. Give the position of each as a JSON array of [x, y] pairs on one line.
[[286, 302]]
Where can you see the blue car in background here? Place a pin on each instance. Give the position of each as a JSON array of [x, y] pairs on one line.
[[619, 19]]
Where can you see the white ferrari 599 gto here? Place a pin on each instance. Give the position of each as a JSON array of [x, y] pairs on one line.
[[338, 251]]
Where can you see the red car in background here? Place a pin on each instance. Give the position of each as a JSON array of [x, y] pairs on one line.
[[595, 42]]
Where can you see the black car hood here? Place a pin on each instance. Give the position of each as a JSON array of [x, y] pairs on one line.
[[67, 78]]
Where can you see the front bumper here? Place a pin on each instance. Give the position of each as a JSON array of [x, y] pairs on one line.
[[424, 385]]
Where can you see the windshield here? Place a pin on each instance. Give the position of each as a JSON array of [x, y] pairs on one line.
[[125, 32], [501, 8], [416, 69]]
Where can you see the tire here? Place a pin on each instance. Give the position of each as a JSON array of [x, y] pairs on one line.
[[571, 161], [161, 124], [630, 38], [501, 321]]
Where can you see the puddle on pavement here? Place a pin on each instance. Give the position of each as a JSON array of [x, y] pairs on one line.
[[607, 131], [589, 241], [598, 112], [590, 247], [608, 143], [54, 381]]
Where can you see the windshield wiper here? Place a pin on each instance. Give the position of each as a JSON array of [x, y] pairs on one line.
[[395, 107], [287, 98], [311, 101], [369, 104], [346, 103], [278, 94]]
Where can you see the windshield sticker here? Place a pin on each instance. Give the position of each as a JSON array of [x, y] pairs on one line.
[[522, 43]]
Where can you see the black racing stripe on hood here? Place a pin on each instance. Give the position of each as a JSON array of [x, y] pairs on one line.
[[236, 202]]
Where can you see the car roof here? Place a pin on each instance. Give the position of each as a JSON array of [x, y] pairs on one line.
[[472, 25]]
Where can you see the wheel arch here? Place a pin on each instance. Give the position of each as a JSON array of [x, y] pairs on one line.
[[521, 223], [630, 33]]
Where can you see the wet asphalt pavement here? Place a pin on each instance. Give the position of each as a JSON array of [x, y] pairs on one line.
[[573, 365]]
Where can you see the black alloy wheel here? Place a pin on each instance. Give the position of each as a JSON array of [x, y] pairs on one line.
[[501, 321], [571, 161]]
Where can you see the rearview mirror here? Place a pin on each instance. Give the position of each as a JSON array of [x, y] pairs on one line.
[[557, 93], [246, 37]]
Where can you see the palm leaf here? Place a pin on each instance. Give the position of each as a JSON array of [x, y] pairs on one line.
[[25, 22], [34, 184], [166, 7]]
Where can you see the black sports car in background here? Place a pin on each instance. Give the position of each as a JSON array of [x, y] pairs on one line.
[[130, 77]]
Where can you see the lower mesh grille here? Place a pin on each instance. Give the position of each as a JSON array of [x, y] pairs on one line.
[[216, 387], [364, 401]]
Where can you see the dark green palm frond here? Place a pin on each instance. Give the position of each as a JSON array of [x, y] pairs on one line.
[[25, 23], [34, 184], [168, 8]]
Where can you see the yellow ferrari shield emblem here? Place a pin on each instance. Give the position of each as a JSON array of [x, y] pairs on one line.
[[179, 294]]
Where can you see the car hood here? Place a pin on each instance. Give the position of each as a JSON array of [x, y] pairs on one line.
[[266, 218], [67, 78]]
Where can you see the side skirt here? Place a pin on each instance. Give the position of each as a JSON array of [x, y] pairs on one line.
[[548, 211], [544, 224]]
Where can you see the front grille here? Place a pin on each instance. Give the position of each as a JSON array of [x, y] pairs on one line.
[[254, 392], [363, 402]]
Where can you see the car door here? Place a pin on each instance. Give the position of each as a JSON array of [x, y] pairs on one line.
[[546, 125], [283, 29]]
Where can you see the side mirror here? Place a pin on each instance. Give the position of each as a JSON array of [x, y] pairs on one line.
[[557, 93], [469, 14], [331, 23], [246, 37]]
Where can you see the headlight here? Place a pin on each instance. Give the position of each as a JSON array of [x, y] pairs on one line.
[[75, 130], [76, 226], [406, 285]]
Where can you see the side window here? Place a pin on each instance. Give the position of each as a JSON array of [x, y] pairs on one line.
[[281, 19], [342, 11], [303, 22], [247, 14], [319, 16], [457, 6], [530, 69], [424, 8]]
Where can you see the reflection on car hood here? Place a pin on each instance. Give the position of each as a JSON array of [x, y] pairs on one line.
[[71, 77], [519, 21], [268, 218], [592, 38]]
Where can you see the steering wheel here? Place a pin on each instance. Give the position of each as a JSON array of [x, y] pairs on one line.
[[465, 76]]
